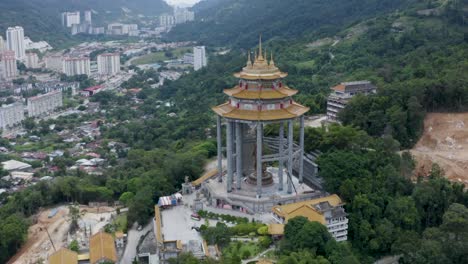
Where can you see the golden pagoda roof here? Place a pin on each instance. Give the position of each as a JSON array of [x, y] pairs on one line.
[[63, 256], [101, 247], [260, 69], [279, 93], [292, 111]]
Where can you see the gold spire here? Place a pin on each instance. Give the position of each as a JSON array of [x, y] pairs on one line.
[[272, 62], [260, 51], [249, 61]]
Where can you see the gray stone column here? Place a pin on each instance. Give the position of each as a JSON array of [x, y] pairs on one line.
[[290, 155], [259, 158], [220, 149], [301, 153], [229, 155], [239, 154], [281, 154], [234, 149]]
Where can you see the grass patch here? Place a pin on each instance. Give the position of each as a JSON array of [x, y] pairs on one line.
[[121, 222], [161, 56], [244, 250]]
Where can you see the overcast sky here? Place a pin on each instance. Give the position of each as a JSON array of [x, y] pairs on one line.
[[182, 2]]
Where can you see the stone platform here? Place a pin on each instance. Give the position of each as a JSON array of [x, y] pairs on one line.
[[246, 200]]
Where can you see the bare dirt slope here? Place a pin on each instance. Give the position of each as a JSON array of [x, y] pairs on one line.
[[445, 142]]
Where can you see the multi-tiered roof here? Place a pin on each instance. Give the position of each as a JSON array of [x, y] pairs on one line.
[[260, 94]]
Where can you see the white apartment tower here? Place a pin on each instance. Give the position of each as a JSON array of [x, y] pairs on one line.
[[76, 66], [32, 60], [2, 44], [44, 103], [11, 115], [166, 20], [199, 57], [54, 63], [88, 17], [8, 65], [108, 63], [70, 18], [15, 42], [183, 15]]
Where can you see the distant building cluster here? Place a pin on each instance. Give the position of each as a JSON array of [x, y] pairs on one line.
[[8, 66], [11, 115], [179, 16], [122, 29], [342, 93]]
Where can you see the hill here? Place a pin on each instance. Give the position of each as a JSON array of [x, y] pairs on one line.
[[239, 22], [41, 18]]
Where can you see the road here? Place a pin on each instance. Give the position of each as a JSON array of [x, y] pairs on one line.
[[133, 237]]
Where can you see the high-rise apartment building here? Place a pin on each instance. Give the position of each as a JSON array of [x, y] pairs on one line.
[[108, 63], [8, 65], [88, 17], [183, 15], [70, 18], [166, 20], [2, 44], [76, 66], [199, 57], [54, 62], [11, 115], [44, 103], [32, 60], [15, 42]]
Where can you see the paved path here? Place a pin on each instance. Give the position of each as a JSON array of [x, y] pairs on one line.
[[133, 237], [258, 257]]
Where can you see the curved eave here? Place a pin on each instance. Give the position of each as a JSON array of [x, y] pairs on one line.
[[239, 93], [293, 111], [251, 76]]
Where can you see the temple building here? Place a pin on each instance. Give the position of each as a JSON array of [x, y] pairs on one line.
[[251, 182]]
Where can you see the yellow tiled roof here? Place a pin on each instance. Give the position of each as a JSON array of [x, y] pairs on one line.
[[157, 219], [305, 208], [63, 256], [205, 177], [293, 111], [119, 234], [101, 247], [264, 261], [240, 93], [275, 229]]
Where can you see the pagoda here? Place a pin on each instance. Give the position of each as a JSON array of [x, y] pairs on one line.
[[260, 98]]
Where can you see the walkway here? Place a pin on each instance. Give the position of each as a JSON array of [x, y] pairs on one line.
[[258, 257]]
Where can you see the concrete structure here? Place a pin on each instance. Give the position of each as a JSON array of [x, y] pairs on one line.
[[41, 46], [15, 42], [328, 211], [166, 20], [14, 165], [54, 63], [76, 66], [260, 98], [90, 91], [199, 57], [64, 256], [8, 65], [183, 15], [88, 17], [44, 104], [2, 44], [108, 63], [342, 93], [102, 248], [11, 115], [32, 60], [121, 29], [188, 58], [70, 18]]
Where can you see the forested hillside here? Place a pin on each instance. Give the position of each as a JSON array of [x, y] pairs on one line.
[[239, 22], [41, 18]]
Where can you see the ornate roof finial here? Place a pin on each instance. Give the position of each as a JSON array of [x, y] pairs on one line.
[[260, 51], [255, 56], [265, 56], [249, 60], [272, 62]]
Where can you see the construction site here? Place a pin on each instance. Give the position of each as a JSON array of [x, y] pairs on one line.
[[50, 231], [445, 142]]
